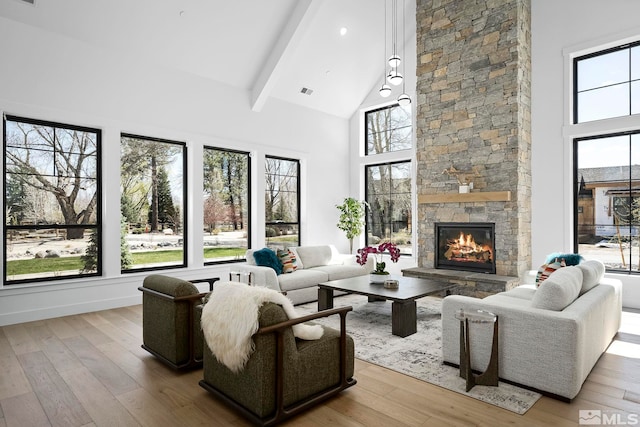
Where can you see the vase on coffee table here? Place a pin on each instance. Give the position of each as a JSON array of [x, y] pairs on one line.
[[378, 277]]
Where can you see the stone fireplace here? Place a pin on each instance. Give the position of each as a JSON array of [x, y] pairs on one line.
[[473, 118]]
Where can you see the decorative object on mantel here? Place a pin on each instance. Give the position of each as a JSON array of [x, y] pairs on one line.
[[378, 275], [464, 178]]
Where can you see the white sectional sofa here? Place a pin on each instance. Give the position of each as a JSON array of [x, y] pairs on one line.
[[315, 264], [550, 337]]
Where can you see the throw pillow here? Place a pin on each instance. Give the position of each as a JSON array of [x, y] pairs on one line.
[[268, 258], [559, 290], [569, 259], [592, 273], [288, 260], [545, 271]]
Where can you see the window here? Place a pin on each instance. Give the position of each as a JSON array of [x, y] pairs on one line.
[[388, 193], [52, 201], [607, 84], [282, 202], [388, 129], [152, 196], [226, 204], [607, 162], [388, 180], [608, 200]]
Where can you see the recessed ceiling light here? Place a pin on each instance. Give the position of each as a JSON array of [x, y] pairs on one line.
[[343, 31]]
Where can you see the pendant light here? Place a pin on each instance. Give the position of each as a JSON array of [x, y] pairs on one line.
[[385, 89], [394, 77], [403, 99]]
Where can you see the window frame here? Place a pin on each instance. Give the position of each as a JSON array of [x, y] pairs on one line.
[[625, 46], [366, 130], [298, 191], [185, 204], [98, 208], [248, 219], [367, 226]]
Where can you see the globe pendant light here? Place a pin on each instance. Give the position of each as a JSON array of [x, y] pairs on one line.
[[385, 89], [403, 99], [394, 77], [394, 61]]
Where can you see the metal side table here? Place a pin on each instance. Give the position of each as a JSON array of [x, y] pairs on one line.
[[490, 375]]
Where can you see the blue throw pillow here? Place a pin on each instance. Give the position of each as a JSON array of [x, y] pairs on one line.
[[268, 258], [569, 259]]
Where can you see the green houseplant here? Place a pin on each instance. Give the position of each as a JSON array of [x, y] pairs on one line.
[[351, 219]]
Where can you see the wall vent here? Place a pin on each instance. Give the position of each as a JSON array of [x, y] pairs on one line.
[[31, 2], [306, 91]]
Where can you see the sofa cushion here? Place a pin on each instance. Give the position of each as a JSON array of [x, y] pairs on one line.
[[559, 290], [288, 261], [268, 258], [592, 273], [525, 292], [337, 272], [545, 271], [313, 256], [301, 279]]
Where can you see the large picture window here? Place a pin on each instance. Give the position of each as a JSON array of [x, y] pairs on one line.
[[282, 202], [152, 198], [607, 183], [226, 204], [388, 193], [52, 201], [388, 129]]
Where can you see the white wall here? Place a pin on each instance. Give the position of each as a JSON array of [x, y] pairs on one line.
[[50, 77], [559, 30]]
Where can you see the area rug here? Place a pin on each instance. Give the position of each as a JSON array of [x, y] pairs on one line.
[[418, 355]]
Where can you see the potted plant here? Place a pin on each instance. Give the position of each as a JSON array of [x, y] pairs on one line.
[[351, 218], [379, 274]]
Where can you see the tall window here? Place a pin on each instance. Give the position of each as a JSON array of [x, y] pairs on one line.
[[388, 193], [607, 163], [388, 181], [52, 201], [282, 202], [226, 204], [607, 84], [152, 196], [388, 129]]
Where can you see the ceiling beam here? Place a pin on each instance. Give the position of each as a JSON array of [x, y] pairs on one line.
[[282, 51]]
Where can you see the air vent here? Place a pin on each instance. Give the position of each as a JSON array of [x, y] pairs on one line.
[[31, 2], [306, 91]]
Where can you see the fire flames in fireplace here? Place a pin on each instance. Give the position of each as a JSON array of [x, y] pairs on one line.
[[468, 246], [465, 249]]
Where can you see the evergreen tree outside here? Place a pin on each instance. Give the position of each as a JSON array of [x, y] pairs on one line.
[[90, 257], [125, 254]]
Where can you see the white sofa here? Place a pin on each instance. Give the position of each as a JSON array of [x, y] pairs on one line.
[[315, 264], [543, 345]]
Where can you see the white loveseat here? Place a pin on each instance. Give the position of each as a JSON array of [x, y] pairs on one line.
[[543, 344], [314, 264]]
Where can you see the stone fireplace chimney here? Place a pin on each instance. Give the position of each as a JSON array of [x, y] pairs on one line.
[[474, 114]]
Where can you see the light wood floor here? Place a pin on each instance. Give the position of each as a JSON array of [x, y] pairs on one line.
[[89, 370]]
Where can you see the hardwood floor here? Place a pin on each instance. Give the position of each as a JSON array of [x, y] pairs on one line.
[[89, 370]]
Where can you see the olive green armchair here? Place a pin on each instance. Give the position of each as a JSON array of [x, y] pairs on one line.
[[284, 375], [170, 330]]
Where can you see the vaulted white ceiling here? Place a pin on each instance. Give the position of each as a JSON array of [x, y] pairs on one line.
[[270, 48]]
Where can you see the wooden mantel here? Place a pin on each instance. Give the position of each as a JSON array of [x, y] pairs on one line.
[[479, 196]]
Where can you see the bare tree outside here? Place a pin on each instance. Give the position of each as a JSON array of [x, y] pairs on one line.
[[51, 198]]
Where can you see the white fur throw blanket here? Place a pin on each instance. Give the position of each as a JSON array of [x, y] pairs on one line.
[[230, 318]]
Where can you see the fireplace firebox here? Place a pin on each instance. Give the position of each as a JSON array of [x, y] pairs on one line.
[[467, 246]]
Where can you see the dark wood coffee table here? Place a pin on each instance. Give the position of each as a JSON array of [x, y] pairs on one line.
[[403, 308]]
